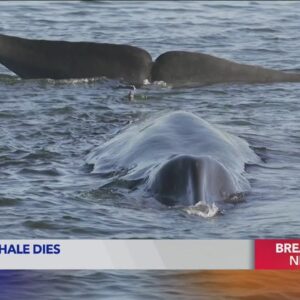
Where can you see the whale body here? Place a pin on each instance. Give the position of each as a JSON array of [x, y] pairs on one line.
[[178, 158], [182, 68], [30, 58], [62, 60]]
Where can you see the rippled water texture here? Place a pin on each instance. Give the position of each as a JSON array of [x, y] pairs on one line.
[[48, 127], [154, 285]]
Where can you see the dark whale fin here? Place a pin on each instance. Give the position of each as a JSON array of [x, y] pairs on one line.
[[62, 60], [182, 68]]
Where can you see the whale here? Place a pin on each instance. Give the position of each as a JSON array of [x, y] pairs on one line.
[[37, 59], [188, 180], [176, 158], [183, 68], [34, 59]]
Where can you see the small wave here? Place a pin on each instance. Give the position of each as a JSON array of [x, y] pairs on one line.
[[226, 6], [13, 79], [6, 115], [64, 110], [259, 29], [265, 51], [75, 81], [46, 172], [203, 210], [4, 201], [40, 225], [42, 154]]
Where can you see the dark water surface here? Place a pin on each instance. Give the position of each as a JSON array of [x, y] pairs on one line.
[[48, 127]]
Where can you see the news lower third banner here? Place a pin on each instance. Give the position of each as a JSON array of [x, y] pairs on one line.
[[149, 254]]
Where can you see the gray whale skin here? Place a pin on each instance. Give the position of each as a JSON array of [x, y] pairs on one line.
[[178, 158], [30, 58]]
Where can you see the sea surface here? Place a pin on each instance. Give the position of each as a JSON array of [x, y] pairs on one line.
[[49, 127]]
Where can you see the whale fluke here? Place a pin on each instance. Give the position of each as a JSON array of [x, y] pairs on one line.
[[181, 68], [30, 58]]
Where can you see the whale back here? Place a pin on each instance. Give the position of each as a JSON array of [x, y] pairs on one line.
[[60, 60], [149, 151], [31, 58], [183, 68]]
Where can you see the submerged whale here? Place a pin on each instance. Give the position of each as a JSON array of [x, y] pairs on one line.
[[178, 158], [62, 60], [30, 58]]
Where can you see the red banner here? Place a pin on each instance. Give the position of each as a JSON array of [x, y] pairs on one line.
[[281, 254]]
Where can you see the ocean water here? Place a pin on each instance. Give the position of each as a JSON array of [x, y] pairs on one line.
[[153, 285], [49, 127]]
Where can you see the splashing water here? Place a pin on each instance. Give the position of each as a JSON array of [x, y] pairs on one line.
[[203, 210]]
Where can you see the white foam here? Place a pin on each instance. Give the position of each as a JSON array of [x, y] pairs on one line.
[[146, 82], [203, 210], [160, 83], [75, 81]]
